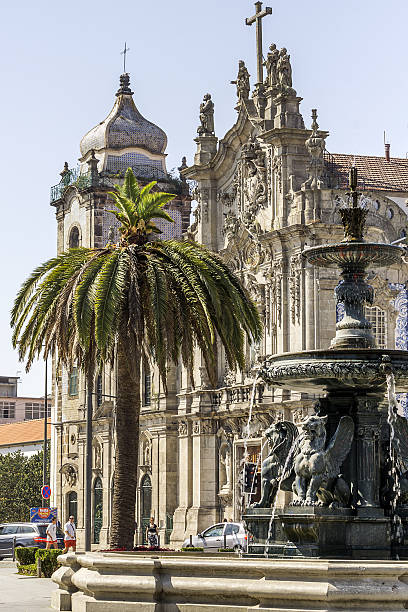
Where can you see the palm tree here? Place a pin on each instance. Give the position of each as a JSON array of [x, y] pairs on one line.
[[140, 297]]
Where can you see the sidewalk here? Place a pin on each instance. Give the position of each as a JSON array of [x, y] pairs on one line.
[[23, 593]]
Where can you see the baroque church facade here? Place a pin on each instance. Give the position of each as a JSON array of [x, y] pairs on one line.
[[264, 192]]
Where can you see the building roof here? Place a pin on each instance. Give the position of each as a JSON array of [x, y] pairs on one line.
[[124, 127], [374, 173], [23, 432]]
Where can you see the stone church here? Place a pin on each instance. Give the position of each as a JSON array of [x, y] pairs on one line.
[[264, 191]]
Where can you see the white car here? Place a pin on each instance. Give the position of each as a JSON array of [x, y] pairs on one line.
[[221, 535]]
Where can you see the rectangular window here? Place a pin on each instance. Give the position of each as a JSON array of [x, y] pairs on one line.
[[73, 382], [35, 410], [378, 319], [147, 390], [7, 410]]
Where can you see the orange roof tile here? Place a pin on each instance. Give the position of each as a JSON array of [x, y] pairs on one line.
[[23, 432], [374, 173]]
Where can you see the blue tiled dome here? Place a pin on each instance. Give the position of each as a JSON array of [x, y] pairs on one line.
[[124, 127]]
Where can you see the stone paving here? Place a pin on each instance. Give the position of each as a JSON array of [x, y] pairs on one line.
[[23, 593]]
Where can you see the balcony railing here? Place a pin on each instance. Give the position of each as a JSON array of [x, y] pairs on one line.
[[240, 394], [71, 177]]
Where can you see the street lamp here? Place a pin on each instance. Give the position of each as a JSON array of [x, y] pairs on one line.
[[45, 453]]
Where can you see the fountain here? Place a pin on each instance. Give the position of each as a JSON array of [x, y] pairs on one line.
[[349, 467]]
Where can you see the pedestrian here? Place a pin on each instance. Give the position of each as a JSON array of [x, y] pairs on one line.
[[152, 535], [69, 535], [52, 534], [225, 520]]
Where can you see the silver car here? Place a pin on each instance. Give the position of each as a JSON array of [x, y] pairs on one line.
[[221, 535]]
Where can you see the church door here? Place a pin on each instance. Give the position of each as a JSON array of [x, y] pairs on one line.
[[146, 504], [98, 509]]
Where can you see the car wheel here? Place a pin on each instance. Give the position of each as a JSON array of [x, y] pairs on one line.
[[237, 548]]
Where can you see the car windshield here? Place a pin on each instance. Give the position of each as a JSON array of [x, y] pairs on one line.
[[8, 529]]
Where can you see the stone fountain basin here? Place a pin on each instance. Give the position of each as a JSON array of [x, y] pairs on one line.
[[320, 371], [364, 254]]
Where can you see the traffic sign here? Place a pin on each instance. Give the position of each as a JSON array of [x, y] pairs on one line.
[[45, 491], [41, 515]]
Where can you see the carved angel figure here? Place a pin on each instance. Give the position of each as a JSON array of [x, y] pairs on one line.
[[278, 466], [317, 467]]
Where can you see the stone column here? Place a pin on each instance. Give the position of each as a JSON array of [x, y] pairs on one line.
[[204, 510], [309, 302], [185, 483]]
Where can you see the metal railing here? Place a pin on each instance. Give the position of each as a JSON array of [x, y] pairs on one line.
[[72, 177]]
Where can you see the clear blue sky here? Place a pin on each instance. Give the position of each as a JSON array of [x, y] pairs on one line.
[[60, 63]]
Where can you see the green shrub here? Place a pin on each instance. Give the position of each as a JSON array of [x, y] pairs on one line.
[[226, 550], [49, 561], [25, 556], [192, 549], [28, 570]]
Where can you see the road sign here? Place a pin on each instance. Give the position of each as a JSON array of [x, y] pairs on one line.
[[46, 491], [40, 515]]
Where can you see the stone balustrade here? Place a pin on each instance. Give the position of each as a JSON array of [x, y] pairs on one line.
[[94, 582]]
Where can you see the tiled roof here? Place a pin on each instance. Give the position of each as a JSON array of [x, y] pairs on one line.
[[23, 432], [374, 173]]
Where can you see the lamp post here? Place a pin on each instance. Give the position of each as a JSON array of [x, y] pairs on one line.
[[88, 470], [45, 453]]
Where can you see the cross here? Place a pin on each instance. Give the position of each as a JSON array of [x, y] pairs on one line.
[[125, 50], [259, 14]]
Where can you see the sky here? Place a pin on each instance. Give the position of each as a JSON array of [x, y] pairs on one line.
[[60, 65]]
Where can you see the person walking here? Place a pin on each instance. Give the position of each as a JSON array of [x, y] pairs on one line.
[[51, 532], [152, 535], [69, 535]]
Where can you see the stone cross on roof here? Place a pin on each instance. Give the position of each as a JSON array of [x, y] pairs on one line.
[[259, 14], [125, 50]]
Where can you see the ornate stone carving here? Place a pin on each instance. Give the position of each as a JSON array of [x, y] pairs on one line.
[[280, 439], [205, 426], [242, 82], [276, 275], [254, 175], [271, 65], [231, 226], [284, 70], [71, 474], [295, 284], [201, 195], [317, 468], [206, 117], [182, 428], [277, 170], [97, 464], [316, 145]]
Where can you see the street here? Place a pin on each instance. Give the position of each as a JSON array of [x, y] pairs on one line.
[[23, 593]]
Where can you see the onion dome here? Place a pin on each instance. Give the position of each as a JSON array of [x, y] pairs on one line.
[[124, 127]]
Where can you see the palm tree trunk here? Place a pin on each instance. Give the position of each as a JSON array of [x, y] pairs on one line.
[[127, 446]]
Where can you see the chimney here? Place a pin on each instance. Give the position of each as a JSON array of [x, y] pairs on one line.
[[386, 149]]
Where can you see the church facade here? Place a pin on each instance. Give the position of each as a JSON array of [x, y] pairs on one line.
[[264, 192]]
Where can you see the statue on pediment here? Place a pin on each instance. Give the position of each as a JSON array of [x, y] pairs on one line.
[[206, 117], [271, 65], [284, 69], [242, 82]]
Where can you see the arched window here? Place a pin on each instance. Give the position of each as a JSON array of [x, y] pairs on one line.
[[73, 505], [98, 509], [146, 503], [74, 238]]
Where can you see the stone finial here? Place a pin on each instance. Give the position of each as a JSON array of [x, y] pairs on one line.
[[93, 168], [206, 127], [315, 145], [124, 85]]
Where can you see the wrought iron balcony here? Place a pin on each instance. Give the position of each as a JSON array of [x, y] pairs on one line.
[[70, 177]]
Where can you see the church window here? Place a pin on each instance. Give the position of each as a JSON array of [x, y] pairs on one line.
[[7, 410], [378, 319], [98, 509], [99, 392], [74, 238], [147, 389], [72, 498], [73, 382]]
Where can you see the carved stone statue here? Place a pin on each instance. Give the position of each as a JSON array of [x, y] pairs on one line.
[[317, 467], [206, 117], [242, 82], [70, 473], [281, 437], [271, 65], [284, 69]]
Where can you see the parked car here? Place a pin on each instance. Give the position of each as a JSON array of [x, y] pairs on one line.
[[228, 535], [25, 534]]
